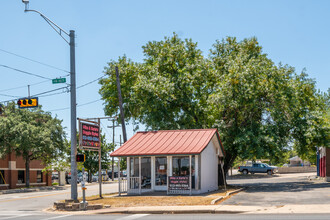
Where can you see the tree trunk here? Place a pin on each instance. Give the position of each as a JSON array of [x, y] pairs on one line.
[[229, 160], [27, 171], [221, 180], [89, 176]]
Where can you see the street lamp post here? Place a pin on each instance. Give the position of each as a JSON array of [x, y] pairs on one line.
[[71, 42]]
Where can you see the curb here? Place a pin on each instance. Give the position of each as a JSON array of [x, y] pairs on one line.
[[114, 211], [27, 190], [214, 201], [195, 211]]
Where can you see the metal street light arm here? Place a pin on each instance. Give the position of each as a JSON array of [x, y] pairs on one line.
[[57, 28]]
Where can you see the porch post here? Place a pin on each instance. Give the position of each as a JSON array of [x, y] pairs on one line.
[[128, 172], [169, 166], [119, 189], [196, 172], [140, 175], [190, 180], [153, 173]]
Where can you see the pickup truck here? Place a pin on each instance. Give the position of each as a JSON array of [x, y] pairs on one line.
[[258, 168]]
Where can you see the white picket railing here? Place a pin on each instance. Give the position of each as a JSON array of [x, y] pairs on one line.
[[123, 184], [134, 185]]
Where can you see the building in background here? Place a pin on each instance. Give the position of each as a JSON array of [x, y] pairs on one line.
[[323, 163], [13, 174]]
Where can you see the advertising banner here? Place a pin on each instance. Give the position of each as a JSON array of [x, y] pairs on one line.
[[89, 135]]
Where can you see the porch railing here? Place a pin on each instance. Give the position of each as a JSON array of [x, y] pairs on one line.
[[123, 184], [135, 185]]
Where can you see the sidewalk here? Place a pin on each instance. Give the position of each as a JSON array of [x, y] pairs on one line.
[[33, 189], [47, 188], [212, 209]]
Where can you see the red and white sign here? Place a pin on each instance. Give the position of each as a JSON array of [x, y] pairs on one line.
[[89, 135]]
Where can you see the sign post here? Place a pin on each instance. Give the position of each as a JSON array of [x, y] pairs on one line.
[[89, 139], [84, 203]]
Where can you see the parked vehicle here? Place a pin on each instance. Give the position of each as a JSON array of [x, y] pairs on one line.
[[258, 168], [79, 177], [110, 174], [95, 177]]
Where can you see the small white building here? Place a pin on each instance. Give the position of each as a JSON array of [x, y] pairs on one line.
[[176, 161]]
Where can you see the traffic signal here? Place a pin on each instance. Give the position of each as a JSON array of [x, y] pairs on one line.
[[27, 102], [1, 109], [80, 158]]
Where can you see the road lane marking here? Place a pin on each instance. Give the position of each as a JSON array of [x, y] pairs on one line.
[[61, 216], [15, 216], [136, 216], [32, 197], [19, 213]]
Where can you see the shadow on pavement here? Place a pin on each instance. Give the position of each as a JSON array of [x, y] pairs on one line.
[[285, 187]]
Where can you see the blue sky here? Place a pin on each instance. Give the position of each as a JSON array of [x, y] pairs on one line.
[[294, 32]]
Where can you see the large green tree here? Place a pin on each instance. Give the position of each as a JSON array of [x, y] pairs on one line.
[[32, 134], [259, 108]]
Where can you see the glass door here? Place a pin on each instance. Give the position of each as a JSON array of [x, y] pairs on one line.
[[161, 173], [146, 173]]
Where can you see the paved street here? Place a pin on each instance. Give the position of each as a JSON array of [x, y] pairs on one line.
[[278, 190], [44, 216], [37, 201], [264, 191]]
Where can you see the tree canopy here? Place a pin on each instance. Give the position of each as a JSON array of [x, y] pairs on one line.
[[32, 134], [259, 108]]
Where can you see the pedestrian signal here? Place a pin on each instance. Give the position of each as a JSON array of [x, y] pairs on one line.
[[80, 158], [27, 103]]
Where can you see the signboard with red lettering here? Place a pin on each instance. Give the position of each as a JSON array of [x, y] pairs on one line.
[[89, 135]]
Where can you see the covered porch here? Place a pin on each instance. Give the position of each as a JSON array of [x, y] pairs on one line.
[[175, 162], [177, 174]]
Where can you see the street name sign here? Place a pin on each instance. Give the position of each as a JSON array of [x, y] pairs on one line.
[[60, 80]]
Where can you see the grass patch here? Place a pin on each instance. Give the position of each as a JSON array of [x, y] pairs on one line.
[[157, 200]]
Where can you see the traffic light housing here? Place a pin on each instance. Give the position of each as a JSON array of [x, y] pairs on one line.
[[28, 102], [80, 158]]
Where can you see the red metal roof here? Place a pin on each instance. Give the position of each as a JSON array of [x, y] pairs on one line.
[[167, 142]]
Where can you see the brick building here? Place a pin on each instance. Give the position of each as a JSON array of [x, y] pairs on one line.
[[323, 163], [12, 173]]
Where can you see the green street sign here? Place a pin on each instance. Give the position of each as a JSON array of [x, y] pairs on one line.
[[60, 80]]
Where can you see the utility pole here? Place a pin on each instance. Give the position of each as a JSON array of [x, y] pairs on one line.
[[122, 115], [71, 42], [74, 190], [113, 142], [100, 168]]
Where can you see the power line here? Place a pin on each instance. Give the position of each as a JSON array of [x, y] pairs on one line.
[[22, 71], [34, 61], [36, 94], [90, 82], [9, 95], [106, 130], [57, 93], [50, 91], [19, 87], [88, 103]]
